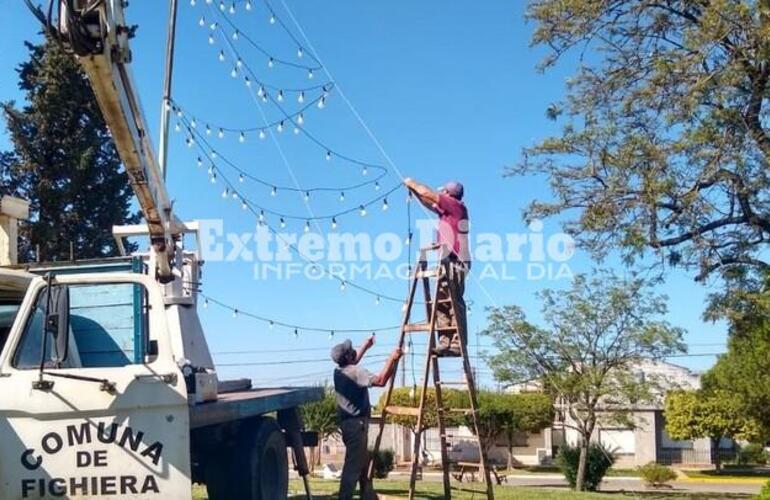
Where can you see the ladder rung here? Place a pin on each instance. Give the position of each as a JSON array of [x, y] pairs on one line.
[[425, 327], [458, 383], [460, 410], [403, 410], [441, 301], [427, 273]]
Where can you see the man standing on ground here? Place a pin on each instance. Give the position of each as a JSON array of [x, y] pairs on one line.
[[452, 237], [351, 384]]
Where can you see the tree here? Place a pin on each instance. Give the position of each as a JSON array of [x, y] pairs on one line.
[[704, 414], [64, 161], [665, 141], [505, 415], [321, 417], [596, 333]]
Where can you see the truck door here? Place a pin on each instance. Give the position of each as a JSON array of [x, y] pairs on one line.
[[92, 403]]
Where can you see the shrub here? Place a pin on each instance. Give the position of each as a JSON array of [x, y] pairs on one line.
[[657, 475], [753, 453], [599, 460], [383, 463], [764, 494]]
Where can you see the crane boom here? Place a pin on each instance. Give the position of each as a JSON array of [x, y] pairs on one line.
[[96, 31]]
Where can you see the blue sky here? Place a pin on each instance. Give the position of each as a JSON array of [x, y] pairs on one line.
[[448, 90]]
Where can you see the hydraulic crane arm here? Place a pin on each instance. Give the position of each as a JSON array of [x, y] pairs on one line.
[[96, 31]]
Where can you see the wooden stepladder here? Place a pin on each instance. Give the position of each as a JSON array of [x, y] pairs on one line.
[[423, 273]]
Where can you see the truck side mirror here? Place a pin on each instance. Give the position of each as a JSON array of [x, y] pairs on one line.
[[57, 321]]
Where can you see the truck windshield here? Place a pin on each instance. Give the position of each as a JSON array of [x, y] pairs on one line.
[[108, 328], [7, 315]]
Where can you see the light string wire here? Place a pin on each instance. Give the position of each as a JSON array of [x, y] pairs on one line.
[[292, 326], [246, 201], [293, 119], [193, 129], [272, 58]]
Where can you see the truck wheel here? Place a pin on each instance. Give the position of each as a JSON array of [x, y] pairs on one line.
[[266, 476], [218, 475]]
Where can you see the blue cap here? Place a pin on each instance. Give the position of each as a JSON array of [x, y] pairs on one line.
[[454, 189]]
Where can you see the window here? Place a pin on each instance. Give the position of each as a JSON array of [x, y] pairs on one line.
[[620, 441], [107, 328], [7, 315]]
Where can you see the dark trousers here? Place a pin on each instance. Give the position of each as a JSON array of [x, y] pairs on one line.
[[454, 280], [355, 436]]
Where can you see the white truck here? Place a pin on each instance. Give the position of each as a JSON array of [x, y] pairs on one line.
[[107, 386]]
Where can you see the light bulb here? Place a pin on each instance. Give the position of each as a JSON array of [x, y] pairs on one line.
[[202, 21], [235, 313], [301, 97], [222, 6], [300, 119], [240, 178], [211, 170], [385, 204], [296, 130], [235, 195], [270, 63], [283, 223], [296, 333], [192, 3], [221, 133], [362, 210], [244, 206], [211, 39], [247, 80], [334, 223], [264, 97], [225, 193], [232, 8], [322, 103], [342, 286], [299, 51], [364, 171], [214, 178], [248, 4], [377, 300], [331, 334], [235, 35], [328, 156], [234, 72], [274, 191], [307, 196], [310, 74], [280, 96], [213, 155], [193, 123], [213, 26], [377, 186], [280, 126], [261, 216], [179, 113], [262, 134], [208, 130], [307, 226], [221, 55], [239, 62], [242, 138], [177, 127], [188, 141], [200, 162], [408, 239], [206, 303], [272, 19], [271, 324], [342, 196], [261, 91]]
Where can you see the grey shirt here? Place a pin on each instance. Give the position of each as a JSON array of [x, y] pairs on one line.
[[351, 383]]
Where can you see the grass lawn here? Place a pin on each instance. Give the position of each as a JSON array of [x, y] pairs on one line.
[[746, 474], [433, 491]]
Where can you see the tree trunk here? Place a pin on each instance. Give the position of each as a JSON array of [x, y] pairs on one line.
[[717, 459], [582, 462]]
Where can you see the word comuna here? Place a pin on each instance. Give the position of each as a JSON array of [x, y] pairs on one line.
[[90, 460]]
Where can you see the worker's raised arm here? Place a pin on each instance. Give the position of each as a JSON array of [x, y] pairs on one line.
[[362, 350], [381, 379], [426, 195]]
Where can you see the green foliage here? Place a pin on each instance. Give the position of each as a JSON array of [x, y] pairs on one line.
[[664, 141], [410, 397], [765, 493], [64, 162], [321, 417], [656, 475], [598, 462], [753, 454], [505, 414], [709, 414], [384, 462]]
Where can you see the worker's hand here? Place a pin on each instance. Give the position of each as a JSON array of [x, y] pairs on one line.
[[408, 182], [396, 354], [369, 342]]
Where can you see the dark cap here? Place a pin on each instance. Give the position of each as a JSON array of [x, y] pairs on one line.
[[340, 350], [454, 189]]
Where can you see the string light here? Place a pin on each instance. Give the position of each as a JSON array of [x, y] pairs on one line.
[[235, 313], [296, 130], [331, 334], [280, 96], [270, 62], [235, 34], [271, 324], [362, 210], [262, 134], [274, 191], [248, 4], [307, 226], [234, 72], [211, 39], [334, 223], [199, 161], [206, 303], [225, 193], [385, 204], [328, 156], [299, 52], [241, 178], [301, 97], [307, 196], [300, 119], [376, 185], [221, 5], [272, 18], [248, 81], [296, 333], [242, 138], [342, 285], [192, 3], [261, 216], [221, 134], [208, 130], [283, 223], [364, 171], [310, 74], [280, 126], [377, 301], [232, 8], [202, 21]]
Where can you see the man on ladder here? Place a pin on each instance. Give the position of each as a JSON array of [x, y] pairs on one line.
[[452, 237]]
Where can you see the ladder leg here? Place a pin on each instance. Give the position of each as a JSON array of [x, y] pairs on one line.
[[441, 428], [418, 427]]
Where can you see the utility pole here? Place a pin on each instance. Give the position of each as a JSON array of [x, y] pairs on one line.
[[165, 110]]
